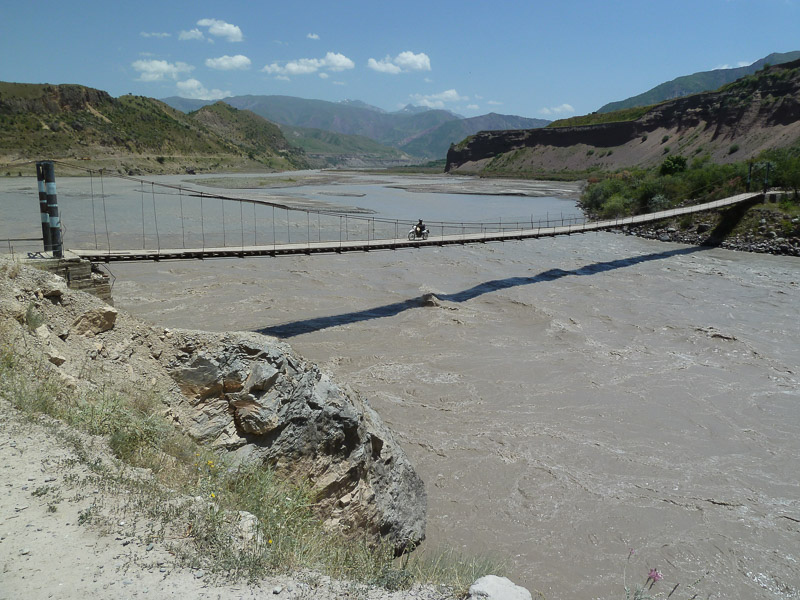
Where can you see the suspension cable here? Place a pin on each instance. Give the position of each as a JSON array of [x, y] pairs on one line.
[[183, 232], [105, 213], [94, 220], [202, 221], [155, 217], [141, 190]]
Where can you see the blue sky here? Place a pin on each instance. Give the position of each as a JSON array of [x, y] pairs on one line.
[[535, 59]]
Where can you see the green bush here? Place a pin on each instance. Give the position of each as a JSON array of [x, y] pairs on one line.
[[616, 206], [657, 203], [673, 164]]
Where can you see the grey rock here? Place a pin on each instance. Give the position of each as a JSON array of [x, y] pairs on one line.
[[252, 396]]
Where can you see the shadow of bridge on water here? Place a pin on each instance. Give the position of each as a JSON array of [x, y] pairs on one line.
[[295, 328]]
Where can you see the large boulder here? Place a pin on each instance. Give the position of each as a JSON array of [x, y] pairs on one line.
[[94, 321], [252, 396]]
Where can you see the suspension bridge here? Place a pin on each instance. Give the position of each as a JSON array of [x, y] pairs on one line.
[[159, 221]]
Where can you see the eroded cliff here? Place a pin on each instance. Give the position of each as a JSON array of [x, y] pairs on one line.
[[732, 124]]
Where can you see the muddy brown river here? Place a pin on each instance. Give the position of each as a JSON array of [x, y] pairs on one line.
[[565, 400]]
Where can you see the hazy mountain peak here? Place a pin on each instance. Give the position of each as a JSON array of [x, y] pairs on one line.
[[360, 104]]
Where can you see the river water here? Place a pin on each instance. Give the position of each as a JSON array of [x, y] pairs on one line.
[[565, 400]]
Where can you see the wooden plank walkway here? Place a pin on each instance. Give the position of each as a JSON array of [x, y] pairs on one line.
[[397, 244]]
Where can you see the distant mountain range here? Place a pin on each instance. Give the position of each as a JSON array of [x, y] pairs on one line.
[[415, 131], [704, 81]]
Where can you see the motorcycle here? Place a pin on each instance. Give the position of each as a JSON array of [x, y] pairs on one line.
[[413, 235]]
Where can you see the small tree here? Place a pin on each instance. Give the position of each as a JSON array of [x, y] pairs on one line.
[[791, 174]]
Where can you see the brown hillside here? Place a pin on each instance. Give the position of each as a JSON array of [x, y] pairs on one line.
[[133, 134], [734, 123]]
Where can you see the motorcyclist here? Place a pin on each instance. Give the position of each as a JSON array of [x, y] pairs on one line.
[[419, 228]]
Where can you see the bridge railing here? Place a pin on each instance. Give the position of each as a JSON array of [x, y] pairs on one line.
[[120, 213], [108, 213]]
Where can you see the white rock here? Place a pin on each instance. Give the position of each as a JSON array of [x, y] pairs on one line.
[[492, 587]]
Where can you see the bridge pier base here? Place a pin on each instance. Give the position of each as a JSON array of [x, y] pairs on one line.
[[77, 272]]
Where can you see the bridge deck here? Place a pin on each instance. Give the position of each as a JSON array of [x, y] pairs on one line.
[[395, 244]]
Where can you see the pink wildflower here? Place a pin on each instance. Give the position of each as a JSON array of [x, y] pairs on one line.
[[655, 575]]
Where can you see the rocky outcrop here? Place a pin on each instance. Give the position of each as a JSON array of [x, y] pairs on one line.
[[48, 99], [244, 393], [766, 239], [262, 403]]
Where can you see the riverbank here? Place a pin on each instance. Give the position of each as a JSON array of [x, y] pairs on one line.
[[564, 399], [761, 229], [96, 451]]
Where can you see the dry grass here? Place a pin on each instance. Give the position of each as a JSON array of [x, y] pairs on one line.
[[238, 522]]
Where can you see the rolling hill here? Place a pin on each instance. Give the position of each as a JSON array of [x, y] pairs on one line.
[[134, 134]]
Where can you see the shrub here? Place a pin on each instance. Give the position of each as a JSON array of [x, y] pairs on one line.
[[616, 206], [673, 164], [657, 203]]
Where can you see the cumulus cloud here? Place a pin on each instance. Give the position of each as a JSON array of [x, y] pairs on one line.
[[494, 103], [408, 61], [158, 70], [191, 88], [438, 100], [193, 34], [229, 63], [218, 28], [384, 66], [312, 36], [305, 66], [562, 109], [153, 34], [472, 107], [402, 63]]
